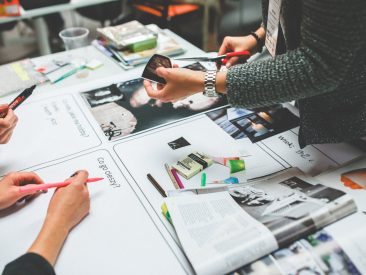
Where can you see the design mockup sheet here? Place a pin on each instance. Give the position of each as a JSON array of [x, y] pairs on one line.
[[58, 133]]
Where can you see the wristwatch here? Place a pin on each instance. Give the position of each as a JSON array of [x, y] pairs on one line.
[[210, 84]]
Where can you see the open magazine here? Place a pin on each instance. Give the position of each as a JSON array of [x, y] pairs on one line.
[[323, 252], [232, 226]]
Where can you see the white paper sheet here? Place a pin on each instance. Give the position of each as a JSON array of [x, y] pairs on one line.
[[217, 235], [311, 160], [115, 238], [48, 129]]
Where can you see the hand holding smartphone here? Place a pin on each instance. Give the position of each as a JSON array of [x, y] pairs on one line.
[[155, 62]]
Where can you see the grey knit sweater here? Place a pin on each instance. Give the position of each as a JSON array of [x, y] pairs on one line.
[[323, 66]]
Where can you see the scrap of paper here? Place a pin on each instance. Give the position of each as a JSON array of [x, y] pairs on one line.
[[355, 179], [178, 143]]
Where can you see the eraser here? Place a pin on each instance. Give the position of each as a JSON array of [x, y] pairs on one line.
[[94, 64]]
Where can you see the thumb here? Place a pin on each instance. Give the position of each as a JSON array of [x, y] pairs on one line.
[[4, 108], [231, 61], [161, 71]]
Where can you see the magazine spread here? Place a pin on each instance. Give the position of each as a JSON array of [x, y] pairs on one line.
[[328, 251], [218, 236]]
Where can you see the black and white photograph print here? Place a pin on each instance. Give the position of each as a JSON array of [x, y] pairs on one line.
[[255, 124], [291, 206], [125, 108], [178, 143]]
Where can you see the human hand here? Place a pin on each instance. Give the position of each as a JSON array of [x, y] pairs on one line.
[[180, 83], [9, 187], [70, 204], [237, 44], [7, 124]]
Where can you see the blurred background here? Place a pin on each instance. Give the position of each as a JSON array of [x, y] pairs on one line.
[[202, 22]]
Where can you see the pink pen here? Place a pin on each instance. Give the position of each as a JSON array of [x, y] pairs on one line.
[[175, 175], [39, 187]]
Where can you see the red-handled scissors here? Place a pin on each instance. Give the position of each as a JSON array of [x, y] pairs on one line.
[[221, 58]]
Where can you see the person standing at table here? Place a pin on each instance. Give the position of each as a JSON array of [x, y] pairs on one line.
[[319, 61], [68, 206]]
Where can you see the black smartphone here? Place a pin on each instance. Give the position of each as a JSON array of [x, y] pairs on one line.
[[155, 62]]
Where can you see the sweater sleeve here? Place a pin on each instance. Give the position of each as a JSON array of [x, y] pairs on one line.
[[332, 32], [29, 264]]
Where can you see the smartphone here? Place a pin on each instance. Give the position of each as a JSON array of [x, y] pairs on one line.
[[155, 62]]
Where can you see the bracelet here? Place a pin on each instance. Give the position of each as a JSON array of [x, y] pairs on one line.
[[260, 42]]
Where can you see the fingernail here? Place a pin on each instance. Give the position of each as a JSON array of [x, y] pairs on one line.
[[73, 175], [228, 65]]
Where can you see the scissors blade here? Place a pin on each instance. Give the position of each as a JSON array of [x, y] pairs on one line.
[[193, 59]]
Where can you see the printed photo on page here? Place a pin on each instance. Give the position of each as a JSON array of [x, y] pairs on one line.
[[125, 108], [288, 205]]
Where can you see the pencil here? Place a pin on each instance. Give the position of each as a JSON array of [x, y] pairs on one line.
[[167, 168], [156, 185]]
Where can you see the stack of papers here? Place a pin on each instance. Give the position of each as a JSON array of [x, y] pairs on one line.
[[166, 45]]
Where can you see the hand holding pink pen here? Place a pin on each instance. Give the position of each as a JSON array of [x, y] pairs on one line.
[[45, 186]]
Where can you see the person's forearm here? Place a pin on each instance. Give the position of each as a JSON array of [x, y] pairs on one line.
[[49, 241], [221, 82]]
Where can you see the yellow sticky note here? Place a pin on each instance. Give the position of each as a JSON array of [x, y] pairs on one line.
[[17, 68]]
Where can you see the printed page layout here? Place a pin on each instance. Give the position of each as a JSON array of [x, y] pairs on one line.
[[48, 129], [338, 249], [218, 236], [148, 152], [125, 108], [115, 237]]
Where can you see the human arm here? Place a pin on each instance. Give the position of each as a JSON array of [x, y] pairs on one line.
[[332, 34], [29, 264], [183, 82], [68, 206], [7, 124], [10, 185], [241, 43]]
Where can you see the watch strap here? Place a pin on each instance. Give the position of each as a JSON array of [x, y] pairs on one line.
[[210, 83]]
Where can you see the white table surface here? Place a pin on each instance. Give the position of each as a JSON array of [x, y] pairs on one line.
[[107, 74], [166, 246]]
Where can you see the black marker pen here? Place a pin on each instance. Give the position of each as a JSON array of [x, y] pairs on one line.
[[19, 99]]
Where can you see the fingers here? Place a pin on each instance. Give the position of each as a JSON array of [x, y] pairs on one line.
[[7, 125], [25, 178], [6, 136], [26, 193], [225, 46], [162, 72], [4, 108], [79, 178], [150, 90], [9, 120]]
